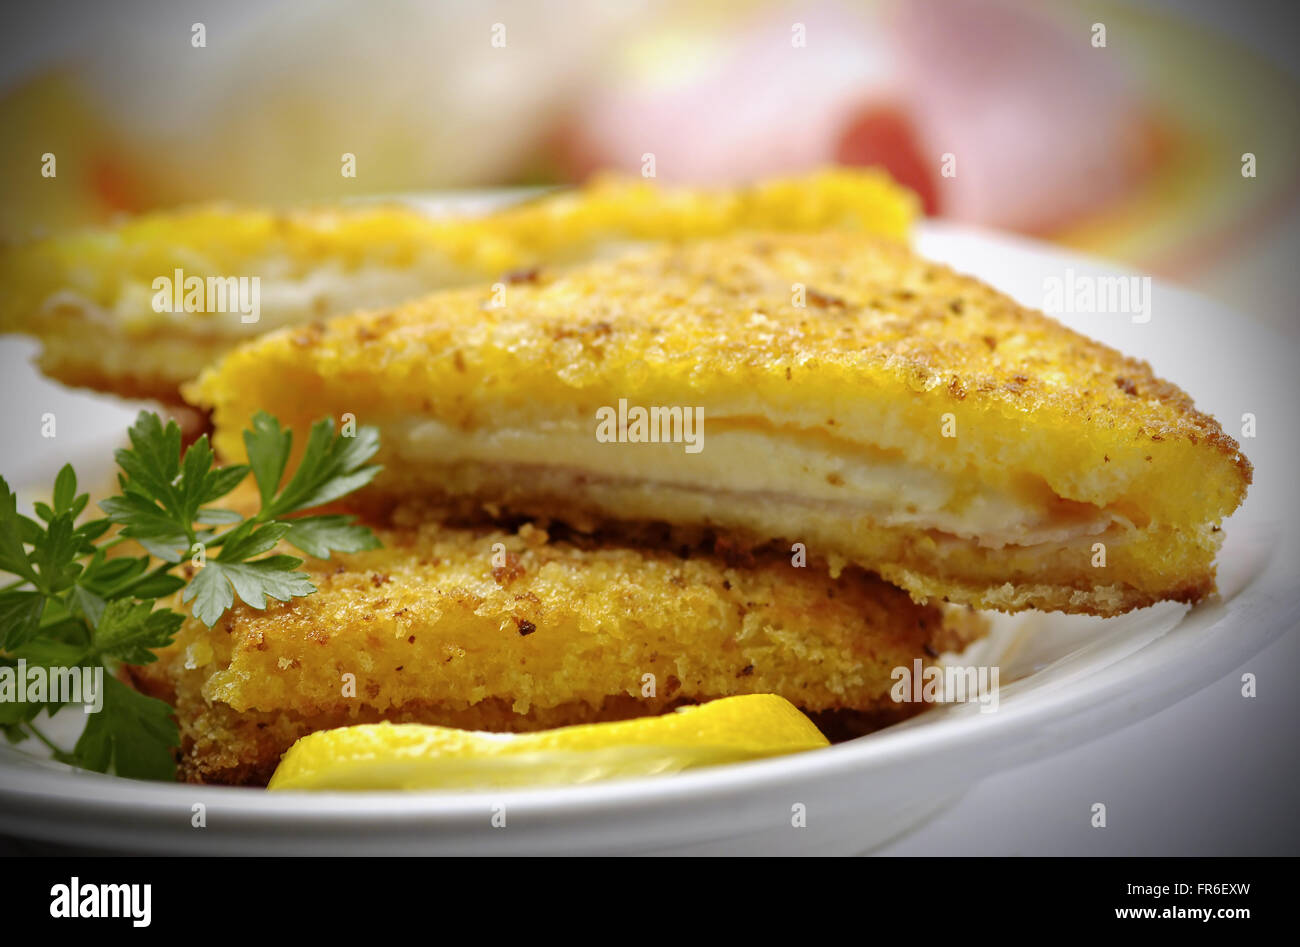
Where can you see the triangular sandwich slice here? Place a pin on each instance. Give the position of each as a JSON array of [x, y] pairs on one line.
[[141, 306], [834, 391]]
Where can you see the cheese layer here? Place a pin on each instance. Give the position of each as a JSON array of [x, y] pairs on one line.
[[749, 459]]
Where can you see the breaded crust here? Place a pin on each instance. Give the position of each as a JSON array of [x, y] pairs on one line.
[[515, 630], [319, 262], [845, 346]]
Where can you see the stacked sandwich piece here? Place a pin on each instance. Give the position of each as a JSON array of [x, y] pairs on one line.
[[780, 462]]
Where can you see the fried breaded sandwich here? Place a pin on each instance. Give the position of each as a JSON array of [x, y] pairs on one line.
[[514, 630], [138, 308], [834, 390]]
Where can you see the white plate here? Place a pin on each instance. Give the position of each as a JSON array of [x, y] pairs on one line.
[[1065, 680]]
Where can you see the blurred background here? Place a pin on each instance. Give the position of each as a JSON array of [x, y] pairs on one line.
[[1118, 128]]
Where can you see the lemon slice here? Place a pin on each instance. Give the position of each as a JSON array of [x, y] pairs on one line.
[[416, 756]]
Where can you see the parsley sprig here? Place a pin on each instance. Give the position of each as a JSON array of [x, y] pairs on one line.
[[71, 604]]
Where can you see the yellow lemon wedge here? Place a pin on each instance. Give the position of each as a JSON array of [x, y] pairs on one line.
[[416, 756]]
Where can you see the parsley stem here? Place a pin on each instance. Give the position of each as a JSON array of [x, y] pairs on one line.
[[13, 585], [44, 739]]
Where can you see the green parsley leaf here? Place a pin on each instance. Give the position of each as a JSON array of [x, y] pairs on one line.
[[102, 574], [65, 489], [86, 604], [75, 605], [13, 533], [51, 652], [20, 617], [318, 535], [132, 735], [268, 451], [212, 589], [129, 630], [251, 538], [142, 520], [55, 553], [152, 463], [13, 712], [331, 467]]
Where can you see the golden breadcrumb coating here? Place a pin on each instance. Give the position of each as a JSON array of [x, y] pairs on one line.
[[514, 630], [880, 408], [99, 284]]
